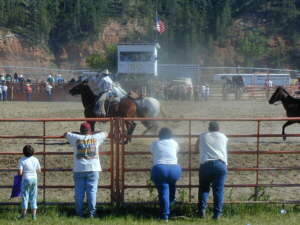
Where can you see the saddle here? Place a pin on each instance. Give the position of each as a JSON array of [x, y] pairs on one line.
[[134, 96]]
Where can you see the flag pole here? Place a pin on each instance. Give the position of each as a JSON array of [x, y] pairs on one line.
[[156, 19]]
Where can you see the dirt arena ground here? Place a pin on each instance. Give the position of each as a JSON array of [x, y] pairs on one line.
[[187, 109]]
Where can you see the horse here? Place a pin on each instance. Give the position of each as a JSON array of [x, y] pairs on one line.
[[290, 104], [125, 107], [235, 85]]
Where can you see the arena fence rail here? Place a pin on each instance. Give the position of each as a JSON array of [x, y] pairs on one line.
[[120, 164]]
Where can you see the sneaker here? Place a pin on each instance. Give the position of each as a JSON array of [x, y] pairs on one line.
[[164, 218], [34, 217], [216, 217], [21, 217], [202, 213]]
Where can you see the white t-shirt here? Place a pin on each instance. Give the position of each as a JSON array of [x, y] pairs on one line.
[[86, 151], [29, 166], [213, 146], [164, 151], [4, 88]]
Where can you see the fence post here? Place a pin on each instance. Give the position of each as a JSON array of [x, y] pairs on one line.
[[112, 169], [44, 162], [257, 161], [190, 161], [116, 137]]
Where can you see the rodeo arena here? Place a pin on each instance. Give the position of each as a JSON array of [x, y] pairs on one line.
[[38, 106]]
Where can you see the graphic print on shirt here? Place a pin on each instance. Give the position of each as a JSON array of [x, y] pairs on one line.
[[86, 148]]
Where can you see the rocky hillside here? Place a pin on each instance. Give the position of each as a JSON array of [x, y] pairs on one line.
[[15, 51]]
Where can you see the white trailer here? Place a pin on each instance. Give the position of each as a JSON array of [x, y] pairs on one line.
[[137, 59]]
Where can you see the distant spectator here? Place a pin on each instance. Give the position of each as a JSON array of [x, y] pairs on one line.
[[165, 171], [4, 91], [268, 86], [2, 78], [28, 167], [28, 91], [50, 79], [59, 79], [16, 77], [48, 89], [1, 96], [205, 92], [21, 78], [8, 78]]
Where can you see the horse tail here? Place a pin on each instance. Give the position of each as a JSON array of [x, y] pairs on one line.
[[163, 112]]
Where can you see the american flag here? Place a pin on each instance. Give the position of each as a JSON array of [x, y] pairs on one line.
[[160, 25]]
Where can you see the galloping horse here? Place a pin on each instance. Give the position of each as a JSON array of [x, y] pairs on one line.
[[125, 107], [290, 104]]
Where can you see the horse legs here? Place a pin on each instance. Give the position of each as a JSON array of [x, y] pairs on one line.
[[288, 123], [130, 126], [150, 125]]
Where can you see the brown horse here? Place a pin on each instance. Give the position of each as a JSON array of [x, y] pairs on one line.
[[127, 107], [290, 104]]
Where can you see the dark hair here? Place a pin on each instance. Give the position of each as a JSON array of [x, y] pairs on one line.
[[213, 126], [165, 133], [28, 150]]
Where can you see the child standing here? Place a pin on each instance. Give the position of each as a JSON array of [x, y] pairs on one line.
[[28, 166]]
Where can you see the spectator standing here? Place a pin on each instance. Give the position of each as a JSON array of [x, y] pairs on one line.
[[268, 86], [48, 89], [28, 167], [50, 79], [212, 146], [86, 166], [4, 91], [28, 92], [205, 92], [1, 96], [8, 78], [16, 77], [165, 171]]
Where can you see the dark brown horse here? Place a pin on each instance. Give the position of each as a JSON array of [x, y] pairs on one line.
[[127, 107], [290, 104]]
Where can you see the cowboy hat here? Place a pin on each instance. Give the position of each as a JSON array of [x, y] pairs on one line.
[[106, 72]]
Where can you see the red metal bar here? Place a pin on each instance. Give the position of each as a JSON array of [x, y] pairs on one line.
[[112, 159], [44, 161], [117, 142], [123, 160], [226, 185], [190, 161]]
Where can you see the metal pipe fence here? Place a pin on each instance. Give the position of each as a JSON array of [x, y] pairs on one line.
[[121, 164]]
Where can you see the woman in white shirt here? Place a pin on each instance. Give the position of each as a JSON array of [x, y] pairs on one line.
[[165, 171]]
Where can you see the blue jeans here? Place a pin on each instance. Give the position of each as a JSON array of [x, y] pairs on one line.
[[212, 173], [29, 193], [86, 183], [165, 177]]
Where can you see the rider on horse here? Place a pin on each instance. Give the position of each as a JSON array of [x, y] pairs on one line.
[[105, 89]]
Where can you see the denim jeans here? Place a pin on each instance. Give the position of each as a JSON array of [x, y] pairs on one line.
[[165, 177], [212, 173], [29, 193], [86, 183]]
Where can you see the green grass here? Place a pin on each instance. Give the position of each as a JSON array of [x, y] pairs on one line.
[[241, 214]]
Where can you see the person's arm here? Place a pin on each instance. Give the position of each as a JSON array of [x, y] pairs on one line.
[[20, 168], [20, 172]]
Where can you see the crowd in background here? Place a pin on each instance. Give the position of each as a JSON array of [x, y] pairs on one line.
[[12, 84]]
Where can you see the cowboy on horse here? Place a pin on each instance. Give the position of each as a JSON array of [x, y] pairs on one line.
[[104, 88]]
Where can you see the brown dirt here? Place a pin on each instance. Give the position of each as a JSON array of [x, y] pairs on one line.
[[211, 109]]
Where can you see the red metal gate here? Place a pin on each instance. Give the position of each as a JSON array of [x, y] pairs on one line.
[[119, 155]]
